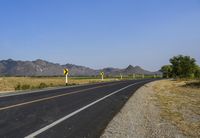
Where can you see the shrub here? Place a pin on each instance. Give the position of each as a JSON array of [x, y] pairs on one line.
[[183, 66], [193, 84], [25, 87], [18, 87], [42, 85], [167, 71], [33, 87]]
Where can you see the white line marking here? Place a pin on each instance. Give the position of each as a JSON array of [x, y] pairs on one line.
[[76, 112], [52, 97]]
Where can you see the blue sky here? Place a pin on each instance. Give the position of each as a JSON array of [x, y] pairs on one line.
[[100, 33]]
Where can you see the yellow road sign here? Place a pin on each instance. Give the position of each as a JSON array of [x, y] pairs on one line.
[[102, 73], [66, 71]]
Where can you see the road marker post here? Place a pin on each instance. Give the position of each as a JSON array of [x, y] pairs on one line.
[[143, 76], [102, 75], [121, 76], [66, 72], [133, 76]]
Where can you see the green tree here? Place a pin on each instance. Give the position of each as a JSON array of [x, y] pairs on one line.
[[183, 66], [197, 72], [167, 71]]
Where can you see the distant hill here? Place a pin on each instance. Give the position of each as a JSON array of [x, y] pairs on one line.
[[76, 70], [44, 68], [29, 68], [128, 71], [137, 70]]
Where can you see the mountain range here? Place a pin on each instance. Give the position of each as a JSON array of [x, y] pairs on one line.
[[41, 67]]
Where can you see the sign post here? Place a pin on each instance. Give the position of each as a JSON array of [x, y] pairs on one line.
[[102, 74], [121, 76], [133, 76], [66, 72]]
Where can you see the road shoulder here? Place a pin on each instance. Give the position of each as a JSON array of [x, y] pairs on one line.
[[140, 117]]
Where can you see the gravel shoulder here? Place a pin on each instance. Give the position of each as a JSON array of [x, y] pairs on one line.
[[140, 118]]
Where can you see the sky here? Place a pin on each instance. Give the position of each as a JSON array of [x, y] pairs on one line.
[[100, 33]]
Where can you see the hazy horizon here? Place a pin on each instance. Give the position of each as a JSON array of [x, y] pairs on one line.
[[100, 34]]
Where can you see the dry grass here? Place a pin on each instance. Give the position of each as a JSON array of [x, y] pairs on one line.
[[10, 83], [180, 104]]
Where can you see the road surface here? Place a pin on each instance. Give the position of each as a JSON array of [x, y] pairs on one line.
[[77, 112]]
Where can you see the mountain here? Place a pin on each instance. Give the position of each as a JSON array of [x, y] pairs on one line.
[[29, 68], [76, 70], [136, 70], [41, 67], [110, 71], [128, 71]]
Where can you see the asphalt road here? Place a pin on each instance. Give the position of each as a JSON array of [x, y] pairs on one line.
[[77, 112]]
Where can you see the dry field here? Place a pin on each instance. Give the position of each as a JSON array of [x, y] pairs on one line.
[[179, 103], [11, 83], [161, 109]]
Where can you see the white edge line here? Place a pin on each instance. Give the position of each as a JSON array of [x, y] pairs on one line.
[[75, 112]]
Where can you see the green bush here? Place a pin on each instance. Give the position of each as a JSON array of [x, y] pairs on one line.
[[183, 66], [42, 85], [25, 87], [70, 84], [22, 87], [33, 87], [167, 71], [18, 87]]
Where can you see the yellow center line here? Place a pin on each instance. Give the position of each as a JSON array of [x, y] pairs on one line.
[[51, 97]]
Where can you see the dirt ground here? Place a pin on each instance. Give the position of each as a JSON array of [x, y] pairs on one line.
[[161, 109]]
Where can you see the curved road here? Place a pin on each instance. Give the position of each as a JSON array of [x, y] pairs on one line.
[[76, 112]]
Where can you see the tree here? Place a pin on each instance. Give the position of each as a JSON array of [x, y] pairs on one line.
[[167, 71], [197, 72], [183, 66]]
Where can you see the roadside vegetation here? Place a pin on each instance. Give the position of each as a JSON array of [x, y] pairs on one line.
[[31, 83], [25, 83], [179, 98], [179, 103], [182, 67]]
